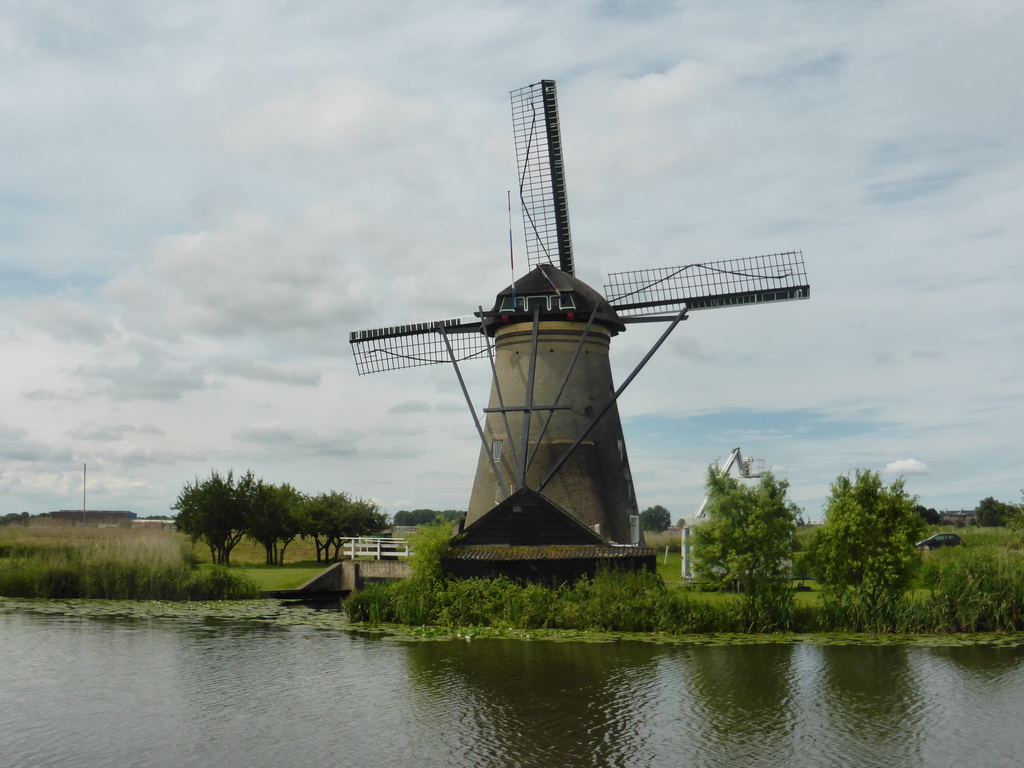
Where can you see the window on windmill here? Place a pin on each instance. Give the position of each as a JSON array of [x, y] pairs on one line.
[[546, 303], [496, 449]]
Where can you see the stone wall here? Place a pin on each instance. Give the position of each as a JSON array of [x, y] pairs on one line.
[[350, 575]]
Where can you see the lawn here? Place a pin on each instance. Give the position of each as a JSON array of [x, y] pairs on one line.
[[288, 576], [248, 557]]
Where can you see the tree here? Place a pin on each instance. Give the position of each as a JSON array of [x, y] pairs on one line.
[[321, 520], [276, 520], [748, 537], [930, 515], [990, 512], [13, 518], [217, 511], [425, 516], [330, 518], [655, 519], [867, 540]]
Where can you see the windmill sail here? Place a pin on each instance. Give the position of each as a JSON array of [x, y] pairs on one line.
[[654, 294], [542, 175], [408, 346]]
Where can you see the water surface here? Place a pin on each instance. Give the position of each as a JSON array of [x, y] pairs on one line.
[[204, 687]]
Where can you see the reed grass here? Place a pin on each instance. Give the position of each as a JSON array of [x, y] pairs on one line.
[[51, 561], [612, 601], [660, 540], [975, 588]]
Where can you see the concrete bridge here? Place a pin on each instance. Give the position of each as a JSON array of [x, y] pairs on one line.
[[388, 561]]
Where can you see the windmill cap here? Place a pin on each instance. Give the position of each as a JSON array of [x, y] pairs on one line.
[[558, 294]]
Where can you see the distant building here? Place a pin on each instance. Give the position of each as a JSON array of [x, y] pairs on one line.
[[957, 517], [96, 517], [153, 524]]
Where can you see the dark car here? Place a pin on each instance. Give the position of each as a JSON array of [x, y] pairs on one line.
[[940, 540]]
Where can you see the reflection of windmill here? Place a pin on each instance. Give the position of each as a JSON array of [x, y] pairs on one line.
[[553, 467]]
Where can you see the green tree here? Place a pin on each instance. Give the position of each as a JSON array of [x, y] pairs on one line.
[[331, 518], [13, 518], [276, 520], [930, 515], [655, 519], [217, 511], [990, 512], [748, 538], [425, 516], [322, 516], [867, 540]]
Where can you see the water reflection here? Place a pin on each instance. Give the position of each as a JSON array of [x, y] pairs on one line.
[[538, 703], [740, 705], [872, 704], [80, 692]]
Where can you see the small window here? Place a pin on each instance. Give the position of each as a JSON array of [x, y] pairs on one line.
[[496, 450], [537, 302], [566, 301]]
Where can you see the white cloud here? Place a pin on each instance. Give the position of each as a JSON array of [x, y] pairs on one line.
[[907, 467]]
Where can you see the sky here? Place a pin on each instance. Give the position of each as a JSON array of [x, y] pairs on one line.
[[199, 200]]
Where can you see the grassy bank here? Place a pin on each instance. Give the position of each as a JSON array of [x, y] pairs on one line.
[[975, 588], [110, 563], [273, 577]]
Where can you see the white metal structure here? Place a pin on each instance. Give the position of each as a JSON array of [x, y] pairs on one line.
[[747, 468]]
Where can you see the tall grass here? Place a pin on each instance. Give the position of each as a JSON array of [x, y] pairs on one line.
[[109, 563], [670, 539], [611, 601], [975, 588]]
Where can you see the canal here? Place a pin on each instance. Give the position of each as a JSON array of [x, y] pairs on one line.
[[99, 684]]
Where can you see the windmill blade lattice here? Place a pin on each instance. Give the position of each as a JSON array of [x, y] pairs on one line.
[[407, 346], [542, 175], [654, 293]]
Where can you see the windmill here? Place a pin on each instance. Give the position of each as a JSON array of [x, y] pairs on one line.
[[553, 468]]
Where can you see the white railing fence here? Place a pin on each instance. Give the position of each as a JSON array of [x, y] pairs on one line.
[[378, 549]]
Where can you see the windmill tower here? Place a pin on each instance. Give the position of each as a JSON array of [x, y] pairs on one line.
[[553, 468]]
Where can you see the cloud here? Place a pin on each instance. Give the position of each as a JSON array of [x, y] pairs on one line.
[[689, 348], [292, 441], [17, 446], [907, 467], [265, 370], [339, 111], [43, 395], [149, 378], [106, 433], [411, 406], [252, 278], [66, 320]]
